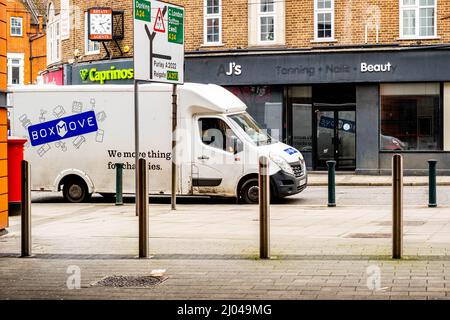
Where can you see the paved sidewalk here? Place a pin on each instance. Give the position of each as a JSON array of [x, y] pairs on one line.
[[210, 251], [351, 179]]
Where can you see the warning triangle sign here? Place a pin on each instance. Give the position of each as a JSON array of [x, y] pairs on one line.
[[159, 22]]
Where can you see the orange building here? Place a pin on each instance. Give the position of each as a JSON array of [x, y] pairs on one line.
[[26, 48], [3, 121]]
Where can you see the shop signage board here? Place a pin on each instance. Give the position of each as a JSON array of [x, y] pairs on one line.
[[158, 42]]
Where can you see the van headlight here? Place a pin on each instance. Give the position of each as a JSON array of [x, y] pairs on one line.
[[283, 164]]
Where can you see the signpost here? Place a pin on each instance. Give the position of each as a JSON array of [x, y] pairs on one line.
[[158, 57]]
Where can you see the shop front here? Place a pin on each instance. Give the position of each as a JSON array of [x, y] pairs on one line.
[[355, 107], [117, 71]]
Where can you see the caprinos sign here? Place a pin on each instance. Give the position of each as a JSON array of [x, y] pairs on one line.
[[94, 75]]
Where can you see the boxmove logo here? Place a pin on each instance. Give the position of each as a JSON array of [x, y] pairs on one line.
[[63, 128]]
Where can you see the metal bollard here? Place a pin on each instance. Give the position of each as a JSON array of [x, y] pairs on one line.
[[432, 199], [331, 164], [264, 208], [143, 208], [119, 184], [26, 210], [397, 206]]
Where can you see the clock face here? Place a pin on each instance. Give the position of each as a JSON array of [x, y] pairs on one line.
[[100, 24]]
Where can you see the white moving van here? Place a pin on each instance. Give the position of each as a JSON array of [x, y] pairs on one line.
[[77, 134]]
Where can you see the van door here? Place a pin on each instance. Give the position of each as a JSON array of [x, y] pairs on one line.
[[218, 157]]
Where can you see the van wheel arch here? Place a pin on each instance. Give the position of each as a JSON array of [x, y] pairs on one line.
[[75, 188], [244, 180]]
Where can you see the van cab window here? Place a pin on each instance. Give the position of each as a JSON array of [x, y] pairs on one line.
[[214, 132]]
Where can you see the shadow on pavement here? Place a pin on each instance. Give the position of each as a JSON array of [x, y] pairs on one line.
[[52, 197]]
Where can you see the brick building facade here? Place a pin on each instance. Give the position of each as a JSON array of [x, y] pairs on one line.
[[26, 49], [345, 80]]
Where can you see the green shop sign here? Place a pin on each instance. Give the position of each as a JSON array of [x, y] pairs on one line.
[[113, 74]]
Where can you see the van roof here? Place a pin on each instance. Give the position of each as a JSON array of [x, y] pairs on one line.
[[213, 97]]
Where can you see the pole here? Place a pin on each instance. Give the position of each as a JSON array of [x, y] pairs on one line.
[[119, 184], [432, 199], [397, 207], [143, 208], [331, 164], [136, 142], [26, 210], [264, 208], [174, 145]]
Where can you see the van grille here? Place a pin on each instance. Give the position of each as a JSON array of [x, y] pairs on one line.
[[298, 170]]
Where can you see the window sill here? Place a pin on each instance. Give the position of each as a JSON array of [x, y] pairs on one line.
[[16, 35], [91, 53], [206, 45], [330, 40], [418, 38]]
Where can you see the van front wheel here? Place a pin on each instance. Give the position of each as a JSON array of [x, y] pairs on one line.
[[249, 192], [75, 191]]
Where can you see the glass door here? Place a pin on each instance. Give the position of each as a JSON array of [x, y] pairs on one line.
[[335, 138]]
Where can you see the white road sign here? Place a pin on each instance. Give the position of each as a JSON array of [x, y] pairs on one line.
[[158, 42]]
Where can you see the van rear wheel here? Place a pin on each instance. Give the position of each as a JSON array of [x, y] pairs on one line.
[[76, 191], [249, 192]]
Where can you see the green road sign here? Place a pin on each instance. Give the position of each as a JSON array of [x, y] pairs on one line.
[[142, 9], [176, 23]]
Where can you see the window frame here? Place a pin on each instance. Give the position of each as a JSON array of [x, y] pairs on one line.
[[213, 148], [318, 11], [207, 16], [11, 26], [53, 36], [259, 15], [87, 42], [416, 7], [10, 65], [440, 148]]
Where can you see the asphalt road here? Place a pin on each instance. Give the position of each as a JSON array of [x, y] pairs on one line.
[[312, 196]]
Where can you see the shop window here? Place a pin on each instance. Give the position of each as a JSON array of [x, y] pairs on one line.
[[324, 19], [410, 117], [265, 105], [16, 27], [90, 47], [301, 105], [417, 18], [212, 22]]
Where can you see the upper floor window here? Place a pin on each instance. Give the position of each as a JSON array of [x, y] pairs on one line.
[[16, 26], [417, 18], [324, 19], [15, 68], [212, 21], [53, 36], [266, 21], [90, 47]]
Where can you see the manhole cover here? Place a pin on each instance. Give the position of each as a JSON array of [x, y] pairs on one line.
[[129, 281], [405, 223], [368, 235]]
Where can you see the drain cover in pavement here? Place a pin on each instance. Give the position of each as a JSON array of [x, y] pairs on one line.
[[129, 281], [368, 235]]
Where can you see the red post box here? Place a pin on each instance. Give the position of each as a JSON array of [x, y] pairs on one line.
[[15, 157]]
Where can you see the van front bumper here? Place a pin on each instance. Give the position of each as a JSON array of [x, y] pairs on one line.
[[285, 184]]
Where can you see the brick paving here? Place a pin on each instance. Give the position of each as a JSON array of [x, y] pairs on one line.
[[210, 251]]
